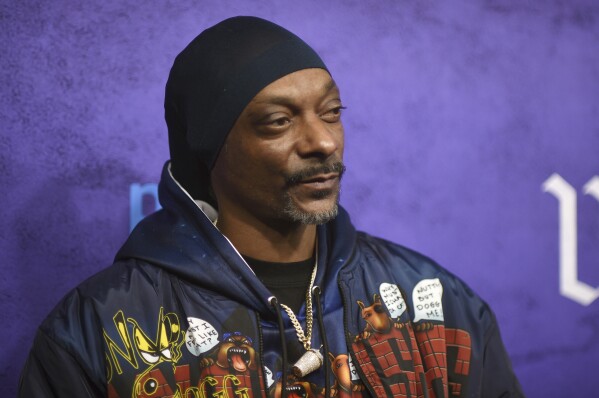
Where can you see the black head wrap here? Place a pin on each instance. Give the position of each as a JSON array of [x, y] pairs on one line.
[[213, 79]]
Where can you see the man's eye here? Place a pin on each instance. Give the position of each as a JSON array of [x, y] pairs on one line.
[[333, 115], [277, 123], [281, 122]]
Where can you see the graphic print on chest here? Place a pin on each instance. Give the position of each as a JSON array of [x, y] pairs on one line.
[[211, 366], [403, 358]]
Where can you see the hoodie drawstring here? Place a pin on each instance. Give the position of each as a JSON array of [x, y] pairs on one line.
[[275, 304], [316, 292]]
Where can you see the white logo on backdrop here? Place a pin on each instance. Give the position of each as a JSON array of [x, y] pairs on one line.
[[569, 285]]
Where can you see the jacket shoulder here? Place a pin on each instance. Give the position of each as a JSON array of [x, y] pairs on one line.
[[76, 323], [409, 267], [404, 259]]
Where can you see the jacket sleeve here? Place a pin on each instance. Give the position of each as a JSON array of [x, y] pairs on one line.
[[498, 379], [51, 371]]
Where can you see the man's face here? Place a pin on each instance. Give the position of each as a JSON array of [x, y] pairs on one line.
[[282, 161]]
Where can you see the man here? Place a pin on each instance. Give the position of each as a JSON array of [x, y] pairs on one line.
[[252, 281]]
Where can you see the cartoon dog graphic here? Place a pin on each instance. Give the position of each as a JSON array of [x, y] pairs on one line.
[[398, 356], [386, 351], [377, 319], [232, 366], [344, 387], [235, 353], [297, 389]]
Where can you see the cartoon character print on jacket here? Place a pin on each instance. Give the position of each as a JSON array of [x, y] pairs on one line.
[[345, 386], [296, 388], [385, 352], [401, 358], [164, 348], [445, 352], [226, 368], [232, 365]]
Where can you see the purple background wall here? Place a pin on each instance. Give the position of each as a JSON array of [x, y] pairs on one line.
[[457, 114]]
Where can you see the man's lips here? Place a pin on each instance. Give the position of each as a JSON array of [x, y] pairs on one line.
[[316, 174], [321, 181], [320, 178]]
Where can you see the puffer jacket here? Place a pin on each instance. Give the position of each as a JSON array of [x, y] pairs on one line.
[[180, 314]]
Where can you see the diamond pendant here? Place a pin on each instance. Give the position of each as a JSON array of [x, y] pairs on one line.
[[308, 363]]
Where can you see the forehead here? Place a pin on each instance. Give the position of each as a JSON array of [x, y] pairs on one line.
[[306, 84]]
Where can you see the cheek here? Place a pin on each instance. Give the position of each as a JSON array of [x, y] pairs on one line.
[[257, 174], [237, 163], [230, 174], [273, 161], [259, 165]]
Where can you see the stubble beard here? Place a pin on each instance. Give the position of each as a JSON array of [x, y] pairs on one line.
[[294, 213]]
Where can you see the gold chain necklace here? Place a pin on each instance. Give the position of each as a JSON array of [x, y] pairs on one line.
[[312, 358]]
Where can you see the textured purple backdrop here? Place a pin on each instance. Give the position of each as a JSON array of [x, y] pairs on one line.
[[458, 112]]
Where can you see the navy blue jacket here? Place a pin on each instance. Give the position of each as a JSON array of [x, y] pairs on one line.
[[180, 314]]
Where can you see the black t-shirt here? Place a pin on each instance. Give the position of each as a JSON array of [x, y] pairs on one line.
[[288, 282]]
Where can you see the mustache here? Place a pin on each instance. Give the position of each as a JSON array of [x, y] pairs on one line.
[[309, 172]]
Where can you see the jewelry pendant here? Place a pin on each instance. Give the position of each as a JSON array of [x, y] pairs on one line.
[[308, 363]]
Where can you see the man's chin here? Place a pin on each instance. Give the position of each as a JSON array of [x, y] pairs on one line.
[[309, 218], [317, 215]]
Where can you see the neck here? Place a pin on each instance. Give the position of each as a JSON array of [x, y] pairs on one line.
[[269, 241]]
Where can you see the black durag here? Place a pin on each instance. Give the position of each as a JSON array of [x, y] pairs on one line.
[[213, 79]]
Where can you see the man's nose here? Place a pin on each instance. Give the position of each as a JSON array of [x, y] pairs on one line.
[[319, 138]]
